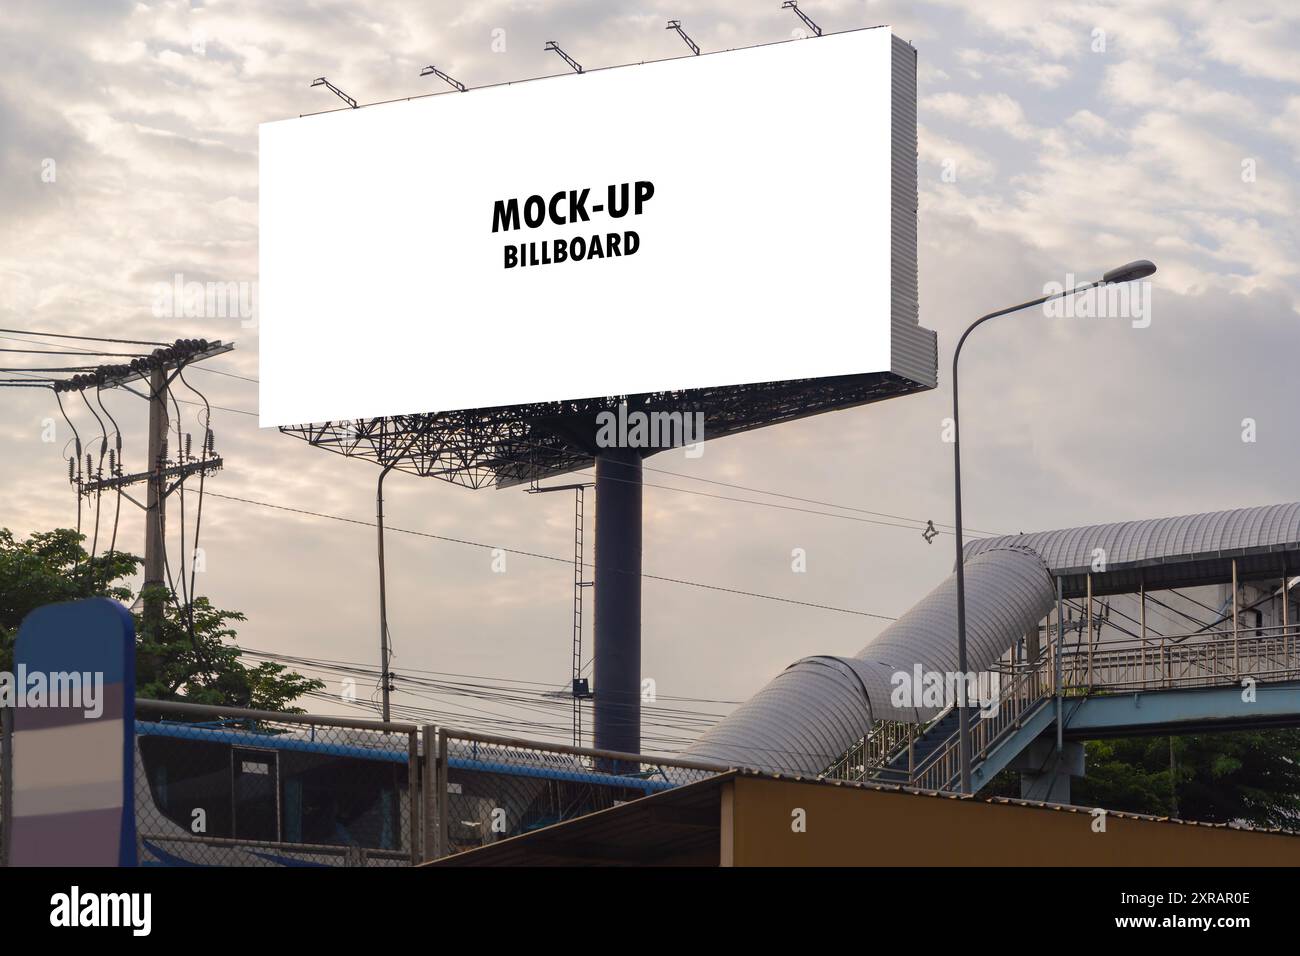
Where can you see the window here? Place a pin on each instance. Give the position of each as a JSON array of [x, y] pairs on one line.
[[265, 794], [189, 775], [342, 801], [256, 791]]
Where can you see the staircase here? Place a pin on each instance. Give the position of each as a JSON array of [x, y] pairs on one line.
[[928, 756]]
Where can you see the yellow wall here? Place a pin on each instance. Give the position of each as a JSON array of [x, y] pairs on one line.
[[848, 826]]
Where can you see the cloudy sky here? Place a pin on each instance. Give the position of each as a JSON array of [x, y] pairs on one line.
[[1056, 139]]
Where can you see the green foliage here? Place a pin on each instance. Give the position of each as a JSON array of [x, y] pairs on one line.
[[49, 567], [1131, 775], [192, 656], [1244, 776]]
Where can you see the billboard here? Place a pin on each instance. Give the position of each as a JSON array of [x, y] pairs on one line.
[[739, 217]]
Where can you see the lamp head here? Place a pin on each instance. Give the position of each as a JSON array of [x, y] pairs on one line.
[[1130, 271]]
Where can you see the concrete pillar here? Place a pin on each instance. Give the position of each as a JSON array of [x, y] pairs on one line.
[[1044, 773]]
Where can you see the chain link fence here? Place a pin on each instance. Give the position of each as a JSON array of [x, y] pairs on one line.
[[489, 788], [219, 786]]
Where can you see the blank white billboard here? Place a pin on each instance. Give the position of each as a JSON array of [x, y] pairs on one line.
[[705, 221]]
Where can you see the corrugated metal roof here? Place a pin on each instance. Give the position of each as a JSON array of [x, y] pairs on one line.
[[819, 707], [1159, 540]]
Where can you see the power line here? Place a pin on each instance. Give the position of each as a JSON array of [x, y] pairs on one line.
[[768, 504], [505, 681], [67, 368], [85, 338], [814, 501], [76, 352], [73, 350], [920, 524], [217, 371], [550, 557]]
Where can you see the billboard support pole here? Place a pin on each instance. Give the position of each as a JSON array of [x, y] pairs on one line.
[[617, 604]]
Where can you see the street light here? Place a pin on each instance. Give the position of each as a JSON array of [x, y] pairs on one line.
[[1129, 272]]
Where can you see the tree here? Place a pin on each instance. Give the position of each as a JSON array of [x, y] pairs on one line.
[[1243, 776], [191, 657], [1239, 777]]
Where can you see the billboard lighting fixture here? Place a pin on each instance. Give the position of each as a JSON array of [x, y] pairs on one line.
[[555, 47], [794, 5], [432, 70], [677, 25], [321, 81]]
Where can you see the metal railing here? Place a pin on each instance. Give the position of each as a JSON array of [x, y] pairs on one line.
[[1206, 658], [1025, 687], [885, 742]]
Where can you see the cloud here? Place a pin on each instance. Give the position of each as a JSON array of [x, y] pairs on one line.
[[1139, 84], [1261, 46], [1020, 65], [965, 161], [994, 111]]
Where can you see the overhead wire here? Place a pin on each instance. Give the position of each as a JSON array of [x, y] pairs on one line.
[[550, 557], [99, 474], [203, 472], [180, 485], [74, 350], [116, 465], [85, 338]]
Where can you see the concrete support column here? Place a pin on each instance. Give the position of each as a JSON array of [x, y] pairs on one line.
[[1045, 774]]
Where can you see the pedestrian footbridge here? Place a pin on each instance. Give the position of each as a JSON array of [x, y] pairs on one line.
[[1164, 626]]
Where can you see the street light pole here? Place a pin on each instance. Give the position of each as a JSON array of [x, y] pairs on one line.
[[385, 648], [1139, 269]]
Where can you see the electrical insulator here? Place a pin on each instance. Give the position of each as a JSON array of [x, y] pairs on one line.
[[112, 462], [90, 465], [72, 464], [188, 446], [211, 440], [162, 454]]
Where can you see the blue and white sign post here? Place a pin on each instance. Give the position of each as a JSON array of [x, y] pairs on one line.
[[73, 699]]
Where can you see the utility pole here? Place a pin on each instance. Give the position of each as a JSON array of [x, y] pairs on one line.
[[155, 503], [158, 370]]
